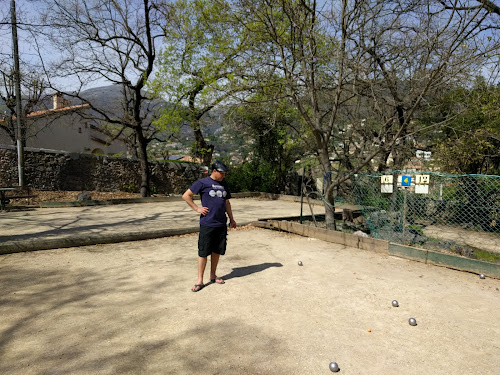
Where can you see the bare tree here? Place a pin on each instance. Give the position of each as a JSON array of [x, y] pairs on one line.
[[34, 93], [412, 50], [358, 72], [32, 82], [112, 42]]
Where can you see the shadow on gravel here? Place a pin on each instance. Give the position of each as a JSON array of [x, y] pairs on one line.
[[78, 321], [71, 228], [248, 270]]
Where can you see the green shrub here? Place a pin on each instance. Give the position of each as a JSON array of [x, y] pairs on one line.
[[130, 188], [253, 176]]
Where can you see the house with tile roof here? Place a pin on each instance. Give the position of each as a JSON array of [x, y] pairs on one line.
[[66, 127]]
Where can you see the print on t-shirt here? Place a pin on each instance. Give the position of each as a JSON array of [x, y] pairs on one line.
[[213, 195]]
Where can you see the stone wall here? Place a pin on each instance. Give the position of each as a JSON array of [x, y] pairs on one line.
[[58, 170]]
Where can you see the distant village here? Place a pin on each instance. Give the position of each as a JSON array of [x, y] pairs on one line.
[[71, 128]]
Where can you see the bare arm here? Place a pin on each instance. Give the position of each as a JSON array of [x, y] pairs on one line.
[[229, 212], [188, 197]]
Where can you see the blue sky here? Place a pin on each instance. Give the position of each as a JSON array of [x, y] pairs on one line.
[[26, 10], [29, 50]]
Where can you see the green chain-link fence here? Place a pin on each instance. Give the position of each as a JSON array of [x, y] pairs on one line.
[[432, 210]]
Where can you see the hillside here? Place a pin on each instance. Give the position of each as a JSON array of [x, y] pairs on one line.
[[109, 98]]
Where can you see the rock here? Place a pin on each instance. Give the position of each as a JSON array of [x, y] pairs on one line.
[[355, 227], [84, 196], [360, 234], [419, 240]]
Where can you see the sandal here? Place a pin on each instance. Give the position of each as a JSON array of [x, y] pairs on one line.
[[197, 287], [217, 280]]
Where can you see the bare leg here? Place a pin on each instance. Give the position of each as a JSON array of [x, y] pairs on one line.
[[214, 260], [202, 263]]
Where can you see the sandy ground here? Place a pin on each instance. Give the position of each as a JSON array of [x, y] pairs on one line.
[[68, 222], [71, 196], [127, 308], [481, 240]]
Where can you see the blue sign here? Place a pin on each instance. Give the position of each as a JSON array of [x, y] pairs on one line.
[[405, 180]]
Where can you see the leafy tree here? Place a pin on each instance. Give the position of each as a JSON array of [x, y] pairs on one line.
[[201, 67], [469, 138], [253, 176], [274, 141]]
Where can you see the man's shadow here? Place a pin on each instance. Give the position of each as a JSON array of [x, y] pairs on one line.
[[248, 270]]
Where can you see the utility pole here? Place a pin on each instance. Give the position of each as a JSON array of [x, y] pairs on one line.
[[17, 80]]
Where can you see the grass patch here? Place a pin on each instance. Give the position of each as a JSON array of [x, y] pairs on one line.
[[486, 255]]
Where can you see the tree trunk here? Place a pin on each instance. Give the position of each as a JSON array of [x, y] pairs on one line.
[[202, 149], [330, 212], [328, 192], [143, 160]]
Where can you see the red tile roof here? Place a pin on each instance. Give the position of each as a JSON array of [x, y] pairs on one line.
[[51, 111]]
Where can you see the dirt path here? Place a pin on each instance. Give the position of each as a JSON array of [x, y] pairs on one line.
[[127, 309], [481, 240]]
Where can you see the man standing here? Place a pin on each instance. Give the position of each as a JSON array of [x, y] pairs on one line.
[[215, 203]]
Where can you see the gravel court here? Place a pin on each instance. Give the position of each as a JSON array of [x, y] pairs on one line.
[[67, 222], [127, 308]]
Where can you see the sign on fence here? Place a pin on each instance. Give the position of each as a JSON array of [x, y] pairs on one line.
[[422, 183], [406, 181], [422, 179], [466, 202], [386, 184]]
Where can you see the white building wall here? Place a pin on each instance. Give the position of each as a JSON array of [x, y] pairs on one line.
[[68, 132]]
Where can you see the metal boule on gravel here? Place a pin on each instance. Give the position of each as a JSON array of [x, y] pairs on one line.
[[334, 367], [482, 276], [395, 303], [412, 321], [300, 263]]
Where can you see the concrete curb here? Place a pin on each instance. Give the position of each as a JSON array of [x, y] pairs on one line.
[[36, 244], [364, 243], [370, 244], [446, 260], [385, 247]]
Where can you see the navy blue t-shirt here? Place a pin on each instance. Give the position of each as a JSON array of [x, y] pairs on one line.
[[213, 195]]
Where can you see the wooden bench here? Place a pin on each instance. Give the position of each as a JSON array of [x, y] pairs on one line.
[[9, 193]]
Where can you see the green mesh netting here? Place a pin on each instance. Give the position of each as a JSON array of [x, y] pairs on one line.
[[431, 202]]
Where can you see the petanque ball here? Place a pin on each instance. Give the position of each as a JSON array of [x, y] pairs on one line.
[[412, 322], [300, 263], [395, 303], [334, 367], [482, 276]]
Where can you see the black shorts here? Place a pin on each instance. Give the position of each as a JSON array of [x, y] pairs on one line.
[[212, 240]]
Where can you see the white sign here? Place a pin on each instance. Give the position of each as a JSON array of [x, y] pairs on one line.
[[422, 179], [421, 189], [386, 179], [386, 188]]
